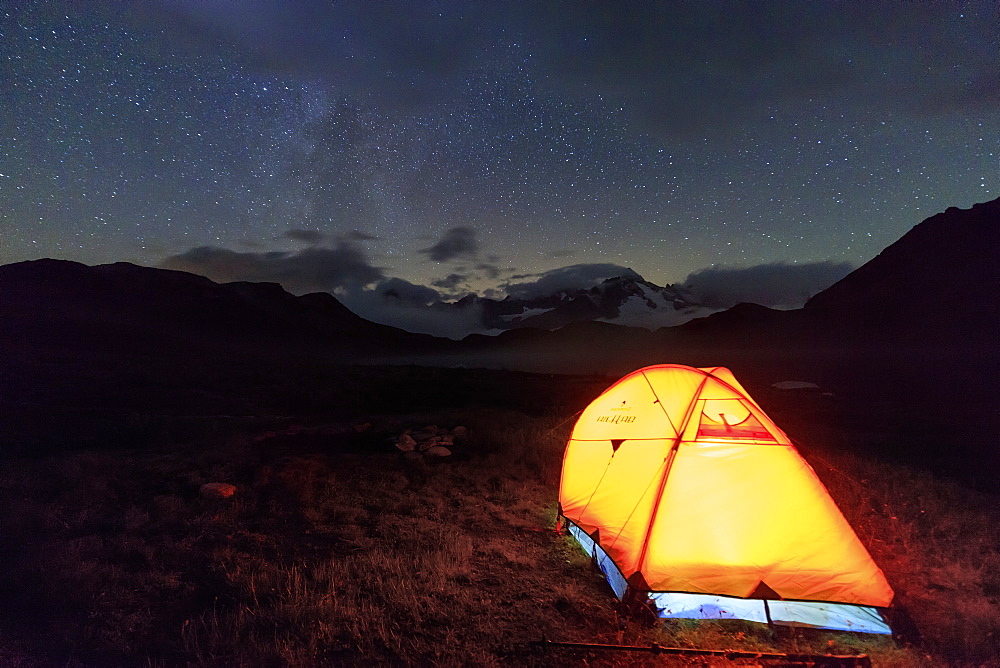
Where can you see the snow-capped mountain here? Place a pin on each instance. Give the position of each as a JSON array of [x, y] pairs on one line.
[[625, 300]]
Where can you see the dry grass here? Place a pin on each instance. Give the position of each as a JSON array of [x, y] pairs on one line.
[[340, 551]]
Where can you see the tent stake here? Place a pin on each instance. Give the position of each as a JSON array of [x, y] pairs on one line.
[[818, 660]]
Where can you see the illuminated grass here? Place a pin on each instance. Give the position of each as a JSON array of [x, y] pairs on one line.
[[332, 555]]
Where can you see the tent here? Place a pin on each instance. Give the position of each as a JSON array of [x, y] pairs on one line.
[[692, 501]]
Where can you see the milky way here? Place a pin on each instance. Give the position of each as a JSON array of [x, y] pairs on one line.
[[468, 145]]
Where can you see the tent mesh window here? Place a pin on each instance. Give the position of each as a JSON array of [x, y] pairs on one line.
[[731, 420]]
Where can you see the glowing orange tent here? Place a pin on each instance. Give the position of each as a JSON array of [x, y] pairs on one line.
[[687, 494]]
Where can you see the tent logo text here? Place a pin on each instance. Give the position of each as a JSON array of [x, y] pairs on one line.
[[615, 419]]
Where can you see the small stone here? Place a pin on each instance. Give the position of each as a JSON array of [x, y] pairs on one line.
[[217, 490], [460, 432], [406, 443], [429, 443], [437, 451], [795, 385]]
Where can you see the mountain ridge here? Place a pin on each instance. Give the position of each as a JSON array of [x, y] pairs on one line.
[[131, 308], [627, 300], [884, 302], [129, 339]]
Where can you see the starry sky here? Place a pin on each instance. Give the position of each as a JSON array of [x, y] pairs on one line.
[[447, 147]]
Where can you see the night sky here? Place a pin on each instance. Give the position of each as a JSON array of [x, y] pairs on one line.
[[456, 146]]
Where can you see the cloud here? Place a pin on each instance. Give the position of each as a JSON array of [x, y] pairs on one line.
[[311, 237], [415, 308], [778, 284], [451, 281], [357, 235], [400, 291], [456, 242], [491, 271], [733, 62], [309, 270], [565, 278], [345, 271]]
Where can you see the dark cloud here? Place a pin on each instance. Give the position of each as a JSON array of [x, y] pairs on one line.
[[357, 235], [311, 237], [309, 270], [451, 281], [776, 285], [490, 271], [562, 253], [414, 308], [400, 291], [455, 243], [734, 63], [565, 278]]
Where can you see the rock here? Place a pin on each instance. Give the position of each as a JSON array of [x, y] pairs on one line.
[[437, 451], [406, 443], [460, 432], [795, 385], [429, 443], [217, 490]]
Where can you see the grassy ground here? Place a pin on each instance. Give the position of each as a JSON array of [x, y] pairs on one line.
[[338, 550]]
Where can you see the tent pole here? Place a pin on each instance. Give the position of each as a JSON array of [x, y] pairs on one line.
[[817, 660], [640, 564]]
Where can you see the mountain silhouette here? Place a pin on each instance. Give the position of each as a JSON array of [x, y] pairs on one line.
[[125, 308], [939, 283], [915, 327], [627, 300]]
